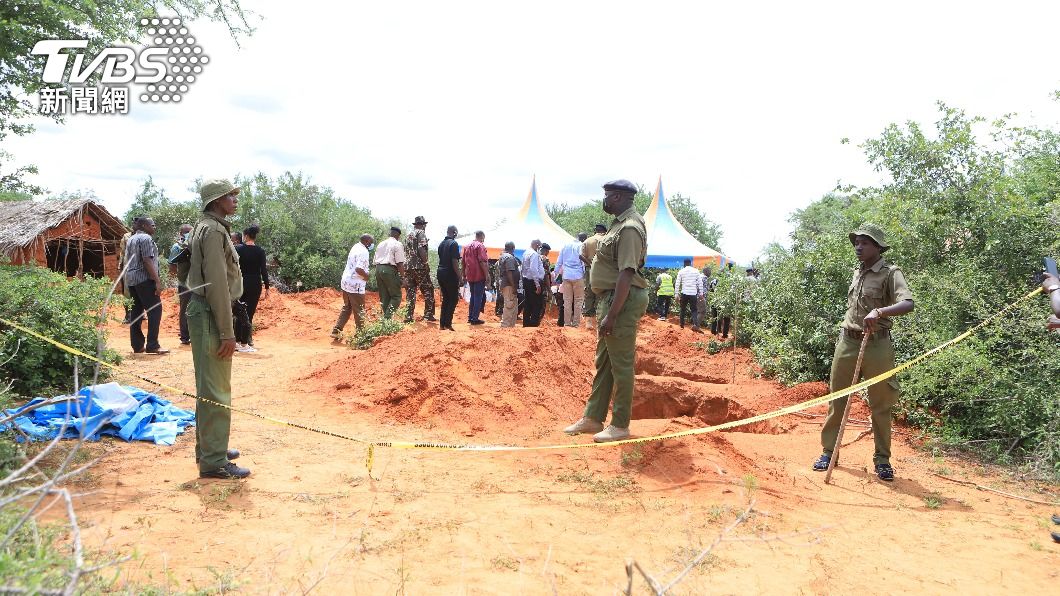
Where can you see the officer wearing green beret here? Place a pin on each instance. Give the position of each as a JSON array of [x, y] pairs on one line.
[[215, 281], [622, 297], [877, 293]]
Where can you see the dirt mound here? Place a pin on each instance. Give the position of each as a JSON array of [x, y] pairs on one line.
[[529, 381]]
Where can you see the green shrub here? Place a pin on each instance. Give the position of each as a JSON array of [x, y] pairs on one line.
[[365, 336], [52, 305], [28, 563]]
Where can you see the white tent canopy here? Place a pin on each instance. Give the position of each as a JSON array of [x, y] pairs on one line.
[[669, 243], [529, 223]]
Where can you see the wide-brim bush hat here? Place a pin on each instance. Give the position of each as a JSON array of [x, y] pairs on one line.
[[211, 190], [872, 231]]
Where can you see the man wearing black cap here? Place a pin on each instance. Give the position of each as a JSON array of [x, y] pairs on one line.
[[389, 267], [589, 248], [418, 271], [877, 293], [622, 298]]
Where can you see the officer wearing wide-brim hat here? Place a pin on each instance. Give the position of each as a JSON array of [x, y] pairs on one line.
[[418, 271], [877, 292], [622, 298], [215, 282]]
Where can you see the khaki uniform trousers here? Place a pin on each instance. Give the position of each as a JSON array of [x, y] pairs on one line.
[[879, 358], [615, 356], [589, 300], [573, 293], [511, 306], [389, 283], [213, 381]]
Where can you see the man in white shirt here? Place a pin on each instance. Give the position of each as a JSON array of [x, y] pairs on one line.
[[389, 269], [533, 285], [354, 282], [571, 269], [687, 284]]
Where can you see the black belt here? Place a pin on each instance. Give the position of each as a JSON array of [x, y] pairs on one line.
[[858, 335], [386, 265]]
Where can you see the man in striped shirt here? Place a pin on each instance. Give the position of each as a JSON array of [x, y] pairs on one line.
[[141, 277]]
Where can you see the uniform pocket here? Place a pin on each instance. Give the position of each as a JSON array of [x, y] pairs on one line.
[[873, 293], [200, 318]]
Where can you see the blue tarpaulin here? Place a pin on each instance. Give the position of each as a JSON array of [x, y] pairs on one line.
[[112, 410]]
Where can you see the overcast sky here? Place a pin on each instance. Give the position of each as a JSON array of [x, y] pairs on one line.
[[447, 109]]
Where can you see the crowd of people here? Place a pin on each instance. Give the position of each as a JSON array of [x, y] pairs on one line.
[[523, 288]]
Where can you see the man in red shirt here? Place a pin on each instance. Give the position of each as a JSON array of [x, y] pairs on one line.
[[476, 271]]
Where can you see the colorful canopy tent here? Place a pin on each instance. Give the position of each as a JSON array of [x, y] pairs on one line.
[[669, 244], [529, 223]]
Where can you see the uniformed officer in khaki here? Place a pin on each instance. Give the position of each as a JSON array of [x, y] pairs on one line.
[[215, 282], [622, 297], [877, 293]]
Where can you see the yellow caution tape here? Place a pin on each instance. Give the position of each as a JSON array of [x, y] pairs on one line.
[[452, 447]]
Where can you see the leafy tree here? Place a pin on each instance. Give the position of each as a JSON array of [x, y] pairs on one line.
[[151, 200], [306, 228], [25, 22], [9, 196]]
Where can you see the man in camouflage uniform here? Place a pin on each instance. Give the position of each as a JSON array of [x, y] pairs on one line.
[[622, 299], [418, 271], [877, 293], [216, 282]]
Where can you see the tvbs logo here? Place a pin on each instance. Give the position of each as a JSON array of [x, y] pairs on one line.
[[166, 68], [119, 64]]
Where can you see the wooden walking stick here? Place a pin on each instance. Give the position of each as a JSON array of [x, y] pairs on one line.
[[846, 410]]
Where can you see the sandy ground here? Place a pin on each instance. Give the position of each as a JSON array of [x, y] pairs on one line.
[[564, 521]]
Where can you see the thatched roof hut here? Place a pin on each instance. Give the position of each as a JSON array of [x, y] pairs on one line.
[[72, 236]]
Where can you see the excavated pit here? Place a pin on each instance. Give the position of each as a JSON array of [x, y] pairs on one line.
[[674, 397]]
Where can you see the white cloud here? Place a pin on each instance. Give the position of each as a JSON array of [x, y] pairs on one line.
[[448, 109]]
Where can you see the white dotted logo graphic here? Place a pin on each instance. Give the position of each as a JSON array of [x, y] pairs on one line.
[[184, 59]]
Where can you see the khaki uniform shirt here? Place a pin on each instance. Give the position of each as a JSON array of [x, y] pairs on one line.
[[416, 239], [590, 246], [624, 246], [215, 267], [390, 252], [878, 286]]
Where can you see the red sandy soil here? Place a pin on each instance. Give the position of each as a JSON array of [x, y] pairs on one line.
[[554, 521]]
